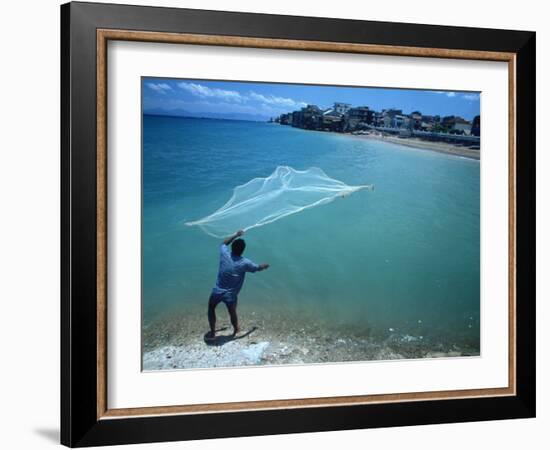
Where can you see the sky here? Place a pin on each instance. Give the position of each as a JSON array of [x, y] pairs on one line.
[[260, 101]]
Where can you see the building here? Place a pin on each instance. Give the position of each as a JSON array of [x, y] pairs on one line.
[[426, 126], [399, 120], [428, 123], [387, 118], [378, 119], [341, 117], [392, 112], [308, 117], [296, 119], [416, 120], [285, 119], [341, 108], [329, 121], [357, 116], [455, 125], [462, 128]]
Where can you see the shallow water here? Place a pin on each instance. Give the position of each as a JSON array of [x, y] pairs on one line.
[[405, 256]]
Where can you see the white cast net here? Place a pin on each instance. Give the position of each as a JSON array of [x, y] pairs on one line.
[[264, 200]]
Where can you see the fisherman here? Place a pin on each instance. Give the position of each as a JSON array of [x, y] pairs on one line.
[[232, 269]]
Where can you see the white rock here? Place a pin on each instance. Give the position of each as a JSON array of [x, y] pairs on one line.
[[254, 352]]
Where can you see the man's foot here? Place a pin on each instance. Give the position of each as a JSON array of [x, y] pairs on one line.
[[236, 330], [210, 336]]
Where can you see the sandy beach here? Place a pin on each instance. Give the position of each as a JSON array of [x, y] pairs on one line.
[[440, 147], [176, 341]]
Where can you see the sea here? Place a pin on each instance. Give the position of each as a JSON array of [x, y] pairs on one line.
[[401, 260]]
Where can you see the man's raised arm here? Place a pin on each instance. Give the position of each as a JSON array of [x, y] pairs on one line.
[[233, 237]]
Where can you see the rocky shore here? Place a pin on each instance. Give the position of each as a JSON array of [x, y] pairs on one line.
[[177, 342]]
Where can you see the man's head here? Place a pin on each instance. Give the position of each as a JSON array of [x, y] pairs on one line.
[[238, 246]]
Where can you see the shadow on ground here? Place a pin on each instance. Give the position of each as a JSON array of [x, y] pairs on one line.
[[222, 339]]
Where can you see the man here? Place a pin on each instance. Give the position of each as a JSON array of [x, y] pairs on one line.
[[231, 272]]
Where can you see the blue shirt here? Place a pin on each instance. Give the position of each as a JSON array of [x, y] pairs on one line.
[[231, 273]]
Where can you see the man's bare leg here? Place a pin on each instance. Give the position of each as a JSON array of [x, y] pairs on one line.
[[212, 319], [232, 309]]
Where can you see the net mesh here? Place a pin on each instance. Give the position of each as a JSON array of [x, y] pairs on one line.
[[264, 200]]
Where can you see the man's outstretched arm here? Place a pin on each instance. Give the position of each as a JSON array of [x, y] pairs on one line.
[[233, 237], [253, 267]]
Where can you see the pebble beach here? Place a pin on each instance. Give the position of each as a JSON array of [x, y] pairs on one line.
[[177, 341]]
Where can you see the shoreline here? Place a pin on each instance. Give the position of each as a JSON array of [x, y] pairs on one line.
[[420, 144], [177, 342], [439, 147], [417, 143]]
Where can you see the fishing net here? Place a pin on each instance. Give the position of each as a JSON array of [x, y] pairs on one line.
[[264, 200]]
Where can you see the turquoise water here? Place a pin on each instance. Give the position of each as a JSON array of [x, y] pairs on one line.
[[406, 255]]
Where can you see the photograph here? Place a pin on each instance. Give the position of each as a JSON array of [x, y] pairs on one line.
[[276, 223], [307, 224]]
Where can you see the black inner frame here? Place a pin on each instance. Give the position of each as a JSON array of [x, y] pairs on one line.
[[79, 424]]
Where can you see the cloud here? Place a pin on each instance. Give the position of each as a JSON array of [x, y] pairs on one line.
[[198, 90], [219, 99], [276, 101], [205, 92], [447, 93], [470, 96], [161, 88]]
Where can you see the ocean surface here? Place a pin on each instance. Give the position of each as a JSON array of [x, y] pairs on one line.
[[403, 258]]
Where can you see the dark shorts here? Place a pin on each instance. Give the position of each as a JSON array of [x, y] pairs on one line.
[[217, 298]]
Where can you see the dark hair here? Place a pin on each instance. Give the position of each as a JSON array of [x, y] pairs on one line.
[[238, 246]]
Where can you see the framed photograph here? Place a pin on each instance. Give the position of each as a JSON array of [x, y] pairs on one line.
[[276, 224]]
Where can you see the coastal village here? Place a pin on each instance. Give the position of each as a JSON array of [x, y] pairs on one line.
[[361, 120]]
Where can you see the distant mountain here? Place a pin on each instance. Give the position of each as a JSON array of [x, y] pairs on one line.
[[207, 115]]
